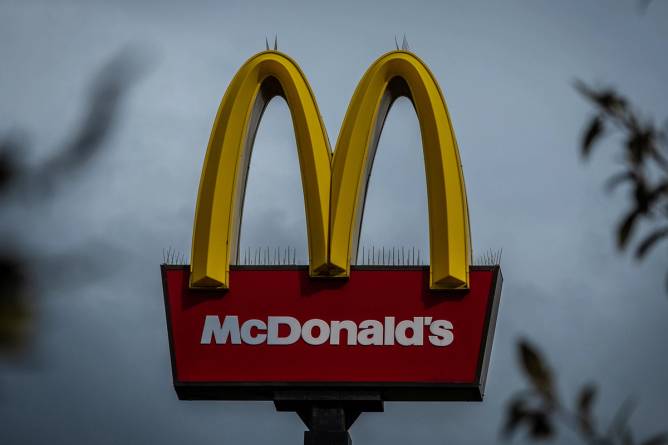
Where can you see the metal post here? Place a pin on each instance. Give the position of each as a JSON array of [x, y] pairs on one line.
[[327, 426], [328, 415]]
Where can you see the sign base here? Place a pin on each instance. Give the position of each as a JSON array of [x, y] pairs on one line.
[[328, 415]]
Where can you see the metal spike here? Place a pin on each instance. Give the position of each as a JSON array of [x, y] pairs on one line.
[[266, 43], [275, 42], [396, 44], [404, 44], [403, 257]]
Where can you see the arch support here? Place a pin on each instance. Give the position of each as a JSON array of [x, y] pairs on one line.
[[334, 190], [401, 73], [223, 181]]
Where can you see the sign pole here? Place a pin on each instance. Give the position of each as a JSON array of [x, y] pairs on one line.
[[327, 415]]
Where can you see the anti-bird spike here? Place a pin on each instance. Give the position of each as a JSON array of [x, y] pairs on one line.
[[404, 44]]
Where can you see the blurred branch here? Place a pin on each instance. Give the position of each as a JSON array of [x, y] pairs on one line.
[[645, 164], [539, 409], [107, 92]]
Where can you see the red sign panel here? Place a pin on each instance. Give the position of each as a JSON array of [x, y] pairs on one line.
[[381, 330]]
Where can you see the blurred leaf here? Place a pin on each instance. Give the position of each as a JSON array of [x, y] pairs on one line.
[[585, 402], [659, 439], [627, 437], [537, 421], [516, 413], [626, 228], [107, 92], [620, 178], [659, 191], [541, 426], [15, 314], [594, 131], [639, 145], [536, 369], [11, 146], [7, 169], [619, 424], [650, 241]]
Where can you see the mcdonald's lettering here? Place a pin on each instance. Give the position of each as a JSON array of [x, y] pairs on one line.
[[409, 332], [371, 332]]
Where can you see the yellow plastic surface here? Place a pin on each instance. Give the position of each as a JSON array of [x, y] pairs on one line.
[[222, 185], [333, 226]]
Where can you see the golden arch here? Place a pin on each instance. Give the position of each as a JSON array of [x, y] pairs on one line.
[[334, 190]]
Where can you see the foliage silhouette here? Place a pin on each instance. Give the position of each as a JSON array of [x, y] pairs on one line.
[[30, 184], [645, 169], [539, 408]]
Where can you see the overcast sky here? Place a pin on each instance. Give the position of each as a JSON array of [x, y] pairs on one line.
[[98, 370]]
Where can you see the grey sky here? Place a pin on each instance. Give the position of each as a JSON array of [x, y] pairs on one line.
[[99, 369]]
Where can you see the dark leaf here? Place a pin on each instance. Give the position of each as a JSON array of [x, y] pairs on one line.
[[15, 312], [7, 169], [536, 370], [642, 195], [585, 402], [108, 91], [541, 426], [658, 192], [650, 241], [11, 147], [638, 145], [594, 131], [626, 227], [659, 439], [517, 413]]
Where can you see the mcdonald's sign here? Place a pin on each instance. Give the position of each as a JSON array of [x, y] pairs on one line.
[[408, 332]]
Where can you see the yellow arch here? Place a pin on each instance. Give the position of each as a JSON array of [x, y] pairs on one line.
[[333, 227], [395, 74], [223, 181]]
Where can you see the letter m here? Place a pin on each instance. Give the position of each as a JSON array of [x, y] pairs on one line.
[[213, 328]]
